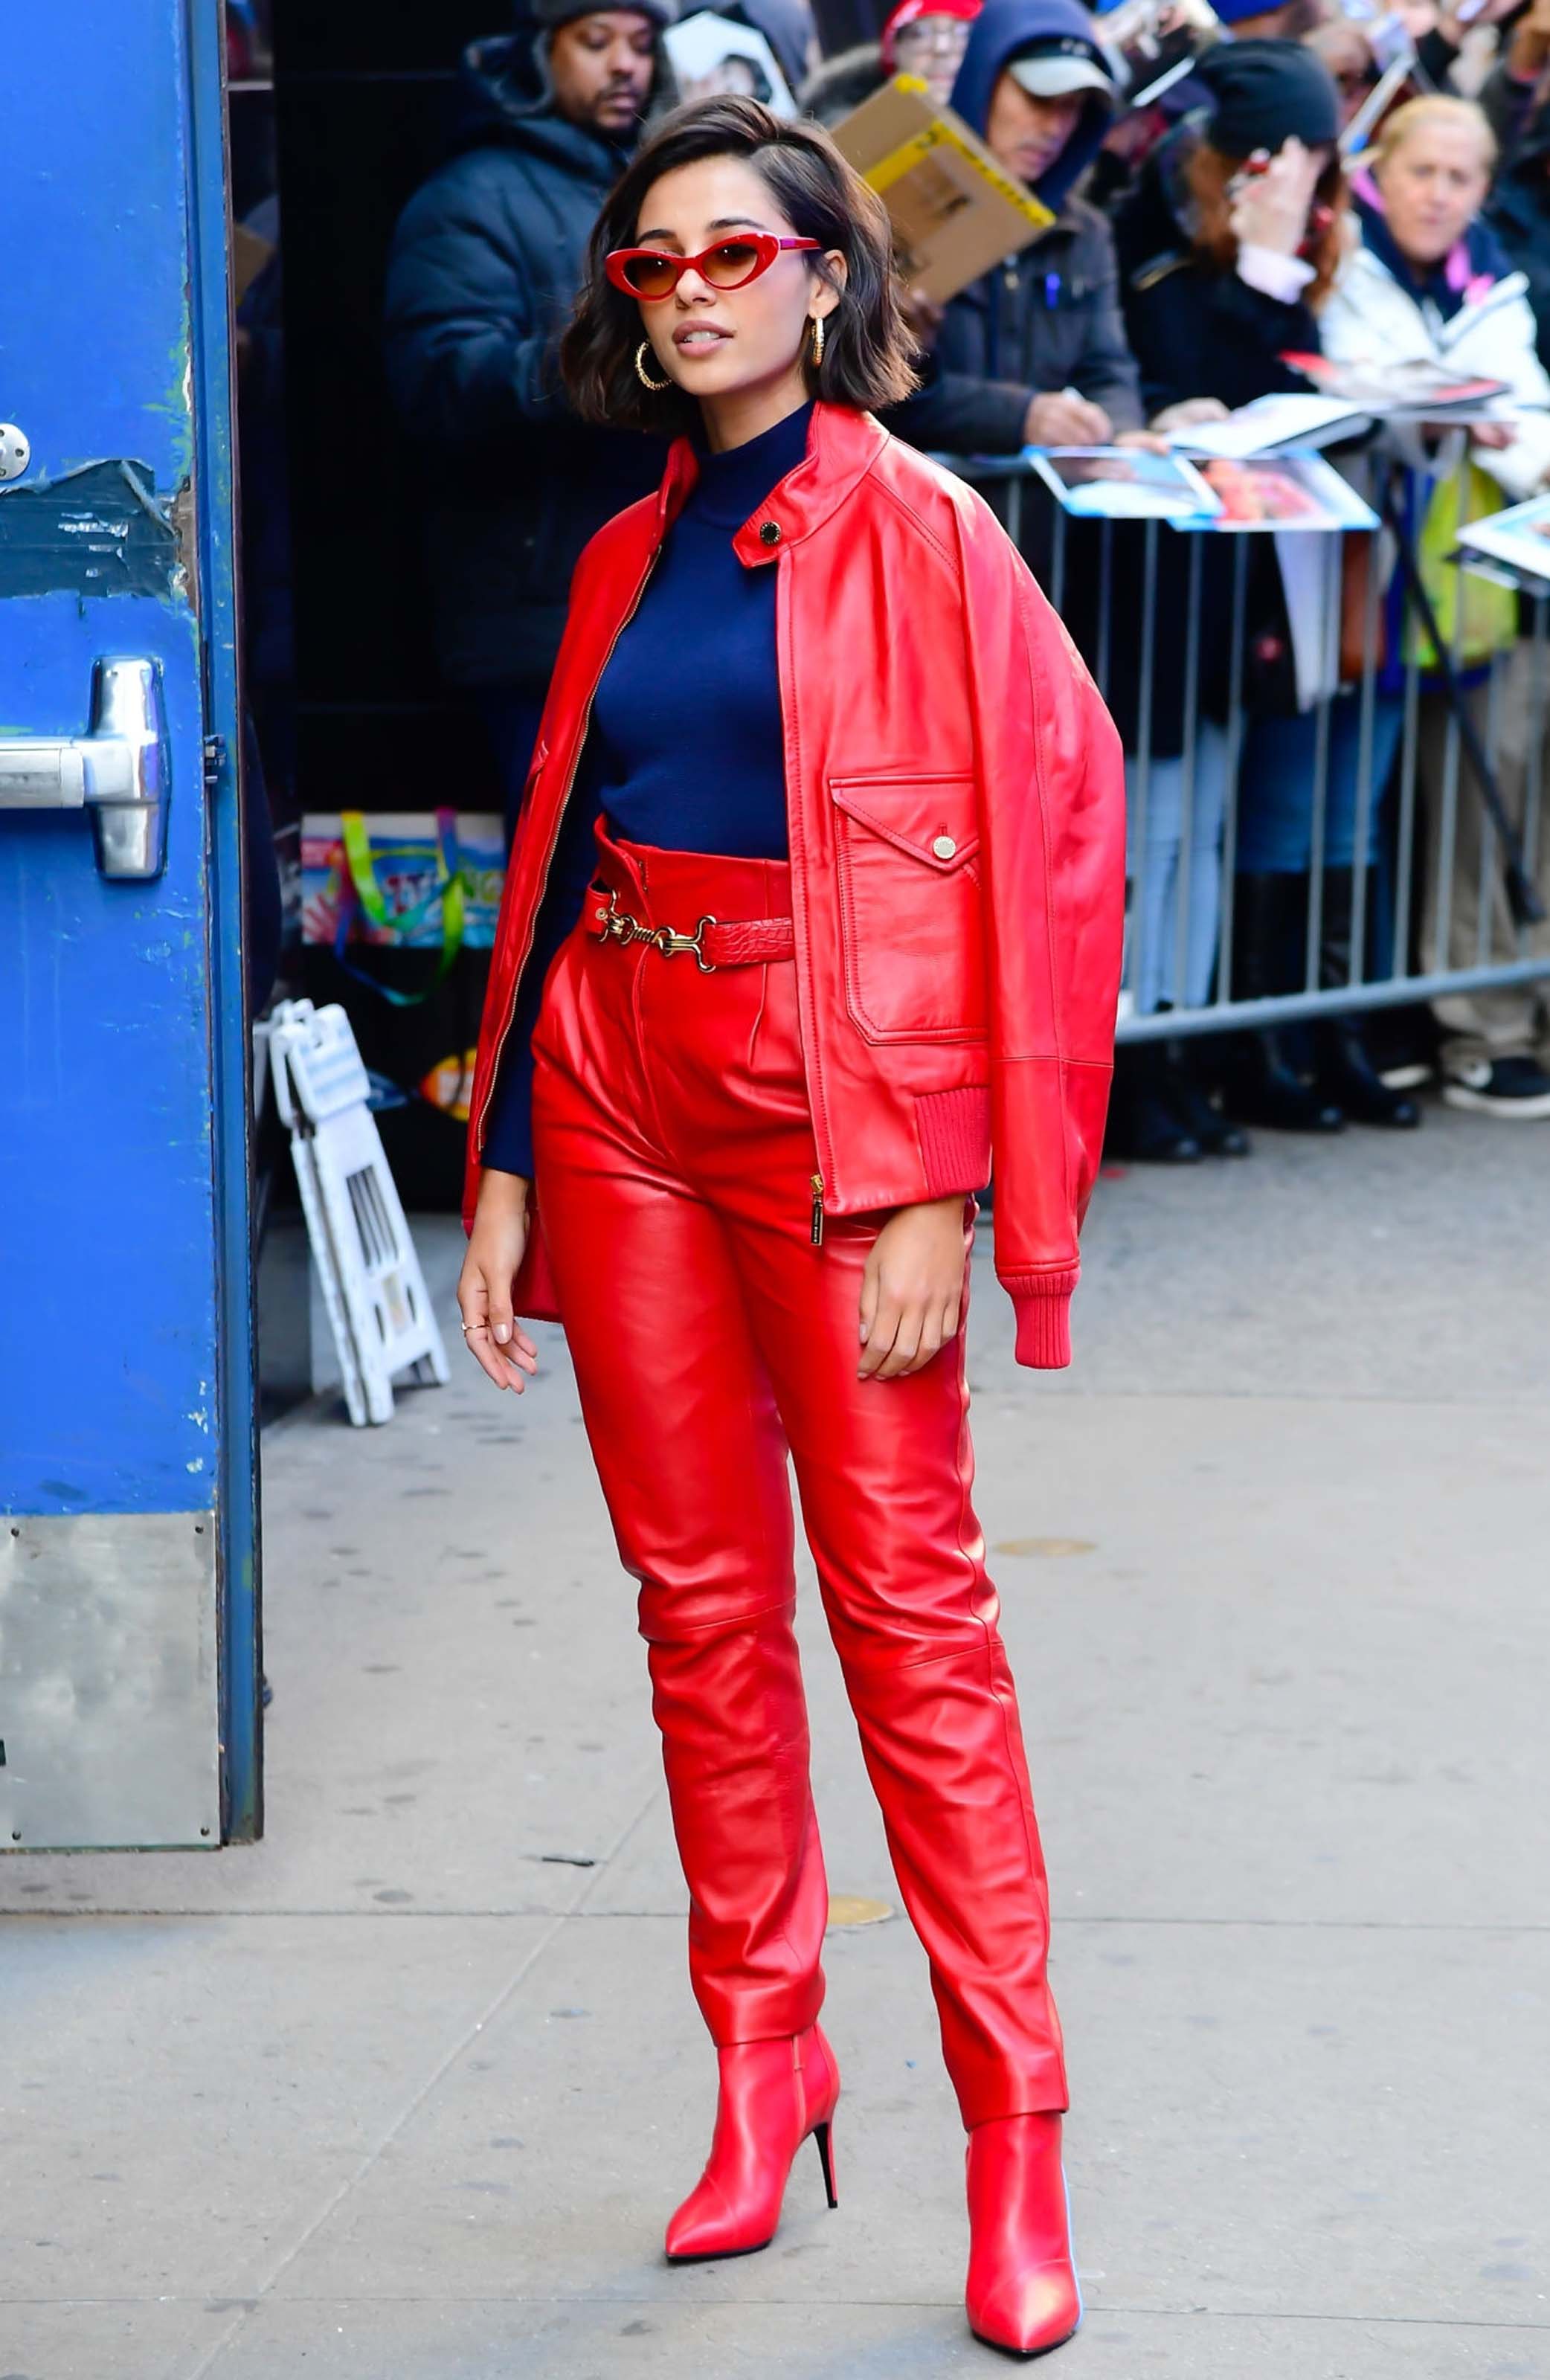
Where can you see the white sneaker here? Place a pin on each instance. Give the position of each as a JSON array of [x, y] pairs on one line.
[[1515, 1089]]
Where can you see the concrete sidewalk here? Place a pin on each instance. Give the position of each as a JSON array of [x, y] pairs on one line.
[[405, 2091]]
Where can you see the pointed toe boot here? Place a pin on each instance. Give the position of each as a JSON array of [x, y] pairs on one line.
[[1023, 2295], [1344, 1063], [772, 2094]]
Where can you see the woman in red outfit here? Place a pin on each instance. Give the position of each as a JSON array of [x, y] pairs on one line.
[[764, 1085]]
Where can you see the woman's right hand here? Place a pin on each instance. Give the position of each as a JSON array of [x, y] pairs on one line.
[[1061, 418], [1271, 201], [484, 1286]]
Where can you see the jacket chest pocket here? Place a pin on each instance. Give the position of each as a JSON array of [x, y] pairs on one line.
[[909, 916]]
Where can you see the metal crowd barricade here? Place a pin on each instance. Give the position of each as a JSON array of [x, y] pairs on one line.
[[1509, 950]]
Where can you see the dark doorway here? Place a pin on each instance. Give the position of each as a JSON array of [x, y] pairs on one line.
[[364, 98]]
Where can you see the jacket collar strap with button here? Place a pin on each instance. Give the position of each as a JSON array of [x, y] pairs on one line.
[[843, 446]]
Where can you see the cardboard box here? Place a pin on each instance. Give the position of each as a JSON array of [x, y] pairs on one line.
[[955, 213]]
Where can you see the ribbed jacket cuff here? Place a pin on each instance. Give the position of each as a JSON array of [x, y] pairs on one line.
[[954, 1129], [1041, 1302]]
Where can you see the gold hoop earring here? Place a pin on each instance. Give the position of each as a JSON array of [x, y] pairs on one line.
[[818, 342], [643, 375]]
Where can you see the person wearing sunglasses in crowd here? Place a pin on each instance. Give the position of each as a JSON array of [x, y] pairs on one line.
[[850, 919]]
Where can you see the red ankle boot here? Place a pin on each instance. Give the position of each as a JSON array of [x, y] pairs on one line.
[[1022, 2295], [772, 2094]]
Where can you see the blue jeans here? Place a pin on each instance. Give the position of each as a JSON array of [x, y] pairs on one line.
[[1276, 786], [1152, 967]]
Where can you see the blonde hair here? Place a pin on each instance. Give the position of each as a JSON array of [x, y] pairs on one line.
[[1419, 116]]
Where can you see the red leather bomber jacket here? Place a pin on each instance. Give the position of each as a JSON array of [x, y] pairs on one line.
[[955, 797]]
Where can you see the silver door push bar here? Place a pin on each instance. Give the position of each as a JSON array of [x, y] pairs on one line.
[[118, 770]]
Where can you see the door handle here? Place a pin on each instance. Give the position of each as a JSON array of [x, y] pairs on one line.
[[120, 770]]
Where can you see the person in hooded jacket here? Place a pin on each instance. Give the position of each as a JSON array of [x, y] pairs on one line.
[[485, 263], [1035, 352]]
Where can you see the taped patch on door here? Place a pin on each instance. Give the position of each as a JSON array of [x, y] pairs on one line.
[[99, 529]]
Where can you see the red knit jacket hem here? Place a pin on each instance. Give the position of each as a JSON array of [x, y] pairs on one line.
[[1042, 1304]]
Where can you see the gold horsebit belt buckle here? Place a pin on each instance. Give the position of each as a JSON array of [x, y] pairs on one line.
[[616, 925]]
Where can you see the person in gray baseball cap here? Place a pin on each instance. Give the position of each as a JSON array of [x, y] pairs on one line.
[[485, 263], [1035, 352]]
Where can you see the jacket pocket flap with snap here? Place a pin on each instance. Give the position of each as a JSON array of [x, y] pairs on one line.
[[931, 818]]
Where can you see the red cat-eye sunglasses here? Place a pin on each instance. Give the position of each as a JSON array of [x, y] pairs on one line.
[[650, 273]]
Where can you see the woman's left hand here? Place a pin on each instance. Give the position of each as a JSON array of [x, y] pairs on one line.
[[1496, 435], [912, 1290]]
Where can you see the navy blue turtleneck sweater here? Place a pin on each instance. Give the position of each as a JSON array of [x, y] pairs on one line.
[[685, 748]]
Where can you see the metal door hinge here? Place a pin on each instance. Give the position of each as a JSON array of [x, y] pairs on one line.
[[214, 761]]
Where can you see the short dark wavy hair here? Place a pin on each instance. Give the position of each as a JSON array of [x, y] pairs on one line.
[[867, 353]]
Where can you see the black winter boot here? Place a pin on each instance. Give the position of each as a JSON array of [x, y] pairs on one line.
[[1264, 1082], [1191, 1101], [1143, 1128], [1344, 1062]]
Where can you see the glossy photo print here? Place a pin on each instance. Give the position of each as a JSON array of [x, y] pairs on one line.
[[1286, 492], [1517, 540], [1122, 483]]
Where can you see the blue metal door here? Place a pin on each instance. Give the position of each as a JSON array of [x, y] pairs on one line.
[[128, 1587]]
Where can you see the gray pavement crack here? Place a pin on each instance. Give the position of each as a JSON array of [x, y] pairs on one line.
[[861, 2306]]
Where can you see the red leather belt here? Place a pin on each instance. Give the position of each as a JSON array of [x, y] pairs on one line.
[[715, 942]]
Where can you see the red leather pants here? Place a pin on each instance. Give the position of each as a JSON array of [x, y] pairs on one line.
[[674, 1159]]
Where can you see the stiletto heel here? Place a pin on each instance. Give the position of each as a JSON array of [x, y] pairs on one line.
[[825, 2158], [772, 2094]]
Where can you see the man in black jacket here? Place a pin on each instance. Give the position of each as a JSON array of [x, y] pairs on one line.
[[485, 266]]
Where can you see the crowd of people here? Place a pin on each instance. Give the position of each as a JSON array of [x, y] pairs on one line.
[[1196, 243]]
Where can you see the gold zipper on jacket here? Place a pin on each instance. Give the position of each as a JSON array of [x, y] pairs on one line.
[[812, 1072], [559, 820]]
